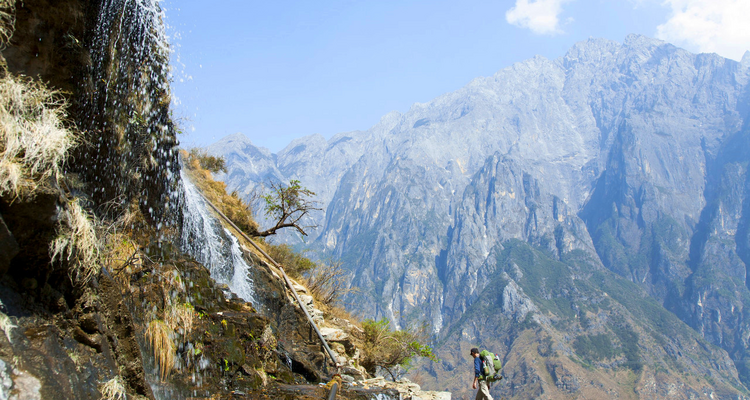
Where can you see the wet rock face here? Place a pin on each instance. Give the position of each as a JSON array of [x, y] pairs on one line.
[[123, 108], [32, 225], [48, 41], [298, 344], [89, 344], [118, 90], [83, 333]]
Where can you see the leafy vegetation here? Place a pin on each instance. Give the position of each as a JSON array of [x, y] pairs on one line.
[[288, 205], [595, 347], [208, 162], [548, 281], [387, 349], [295, 264], [629, 340]]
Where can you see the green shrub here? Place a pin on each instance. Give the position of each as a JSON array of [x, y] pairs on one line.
[[208, 162], [629, 340], [294, 264], [388, 349], [595, 347]]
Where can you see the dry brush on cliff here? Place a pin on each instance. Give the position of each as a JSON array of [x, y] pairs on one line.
[[34, 141]]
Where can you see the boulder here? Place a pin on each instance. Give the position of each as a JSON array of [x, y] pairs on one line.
[[334, 334]]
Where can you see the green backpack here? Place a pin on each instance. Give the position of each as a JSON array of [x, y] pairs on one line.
[[491, 366]]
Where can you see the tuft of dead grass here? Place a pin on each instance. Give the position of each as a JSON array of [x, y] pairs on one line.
[[34, 142], [180, 316], [122, 257], [158, 336], [113, 389], [6, 325], [7, 21], [77, 243]]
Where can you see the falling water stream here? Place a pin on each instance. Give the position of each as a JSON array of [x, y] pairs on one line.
[[204, 238], [133, 149], [210, 243]]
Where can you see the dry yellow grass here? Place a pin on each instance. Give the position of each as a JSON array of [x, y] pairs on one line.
[[180, 316], [77, 242], [113, 389], [34, 142], [6, 325], [158, 337], [7, 20], [122, 257]]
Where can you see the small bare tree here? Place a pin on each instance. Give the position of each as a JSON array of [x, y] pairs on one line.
[[288, 205], [328, 282]]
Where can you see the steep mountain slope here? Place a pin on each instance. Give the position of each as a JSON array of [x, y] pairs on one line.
[[629, 156]]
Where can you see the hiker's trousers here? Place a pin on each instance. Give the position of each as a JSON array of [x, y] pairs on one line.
[[484, 391]]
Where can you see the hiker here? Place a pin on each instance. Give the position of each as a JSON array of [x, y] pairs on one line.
[[484, 386]]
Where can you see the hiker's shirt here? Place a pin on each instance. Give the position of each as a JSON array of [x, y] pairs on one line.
[[478, 367]]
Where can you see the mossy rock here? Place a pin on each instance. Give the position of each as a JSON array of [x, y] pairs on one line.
[[232, 351], [252, 378], [286, 376]]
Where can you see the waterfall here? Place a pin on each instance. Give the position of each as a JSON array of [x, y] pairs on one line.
[[131, 151], [205, 239], [125, 99], [133, 148]]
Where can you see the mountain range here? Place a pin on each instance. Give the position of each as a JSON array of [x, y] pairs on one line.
[[587, 217]]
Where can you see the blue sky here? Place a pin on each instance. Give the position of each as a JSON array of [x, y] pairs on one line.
[[280, 70]]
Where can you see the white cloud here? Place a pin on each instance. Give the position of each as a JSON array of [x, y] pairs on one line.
[[708, 26], [541, 16]]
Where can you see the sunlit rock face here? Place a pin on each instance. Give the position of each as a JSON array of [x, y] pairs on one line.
[[630, 158]]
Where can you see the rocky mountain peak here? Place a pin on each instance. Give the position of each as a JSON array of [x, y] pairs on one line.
[[590, 178], [635, 40], [388, 121]]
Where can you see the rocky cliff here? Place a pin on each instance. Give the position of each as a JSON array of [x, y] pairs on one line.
[[100, 295], [621, 165]]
